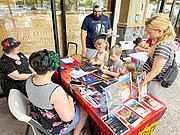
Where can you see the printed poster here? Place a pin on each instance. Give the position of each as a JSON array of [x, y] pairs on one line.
[[129, 116], [126, 86], [137, 107], [142, 85], [153, 104]]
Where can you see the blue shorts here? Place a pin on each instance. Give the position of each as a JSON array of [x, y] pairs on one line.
[[75, 120]]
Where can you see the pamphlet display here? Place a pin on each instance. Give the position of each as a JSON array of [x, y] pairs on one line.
[[126, 86], [129, 116], [142, 85], [137, 107], [153, 104], [124, 112], [114, 97], [115, 124]]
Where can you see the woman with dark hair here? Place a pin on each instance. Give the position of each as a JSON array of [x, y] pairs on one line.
[[50, 104], [14, 67]]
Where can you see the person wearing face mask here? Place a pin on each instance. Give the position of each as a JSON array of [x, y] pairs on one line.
[[93, 25]]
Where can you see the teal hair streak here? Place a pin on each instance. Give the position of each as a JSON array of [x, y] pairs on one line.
[[55, 61], [45, 60]]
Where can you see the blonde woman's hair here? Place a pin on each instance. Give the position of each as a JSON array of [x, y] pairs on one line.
[[160, 21], [104, 43], [116, 50], [130, 67]]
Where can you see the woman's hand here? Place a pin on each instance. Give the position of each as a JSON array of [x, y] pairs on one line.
[[93, 62], [158, 64]]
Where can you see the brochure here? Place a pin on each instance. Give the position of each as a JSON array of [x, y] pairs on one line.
[[126, 86], [115, 124], [142, 85], [137, 107], [78, 73], [153, 104], [67, 60], [129, 116]]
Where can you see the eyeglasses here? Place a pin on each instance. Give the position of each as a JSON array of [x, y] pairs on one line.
[[99, 46]]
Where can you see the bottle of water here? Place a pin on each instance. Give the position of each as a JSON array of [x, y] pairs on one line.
[[103, 101]]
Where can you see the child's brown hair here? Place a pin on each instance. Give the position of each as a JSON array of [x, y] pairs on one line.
[[116, 50], [104, 43], [130, 67]]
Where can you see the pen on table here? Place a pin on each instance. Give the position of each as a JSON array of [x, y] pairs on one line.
[[103, 90]]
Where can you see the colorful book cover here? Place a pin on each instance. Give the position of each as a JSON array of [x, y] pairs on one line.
[[137, 107], [129, 116], [153, 104], [142, 85], [126, 86], [116, 126]]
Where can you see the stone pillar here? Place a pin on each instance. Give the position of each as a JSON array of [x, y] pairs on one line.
[[132, 19]]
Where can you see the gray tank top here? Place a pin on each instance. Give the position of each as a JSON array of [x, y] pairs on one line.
[[40, 95]]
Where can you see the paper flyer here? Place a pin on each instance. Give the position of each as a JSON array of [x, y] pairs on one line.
[[116, 126], [137, 107], [153, 104], [129, 116], [67, 60], [126, 86], [114, 97], [142, 85], [78, 73]]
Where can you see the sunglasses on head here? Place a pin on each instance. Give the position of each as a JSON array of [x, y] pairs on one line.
[[99, 46]]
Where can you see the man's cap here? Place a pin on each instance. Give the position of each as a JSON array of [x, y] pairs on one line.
[[9, 44], [98, 5]]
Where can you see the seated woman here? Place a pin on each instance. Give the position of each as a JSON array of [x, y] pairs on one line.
[[50, 104], [14, 67]]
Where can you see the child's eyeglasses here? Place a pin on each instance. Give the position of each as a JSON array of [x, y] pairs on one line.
[[99, 46]]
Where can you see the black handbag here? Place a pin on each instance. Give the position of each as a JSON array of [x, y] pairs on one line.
[[170, 75]]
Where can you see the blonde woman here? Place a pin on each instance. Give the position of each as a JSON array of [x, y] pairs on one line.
[[161, 54]]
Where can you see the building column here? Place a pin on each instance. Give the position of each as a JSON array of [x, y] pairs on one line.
[[131, 19]]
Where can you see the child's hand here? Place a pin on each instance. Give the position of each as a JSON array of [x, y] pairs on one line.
[[92, 62], [104, 71], [103, 67]]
